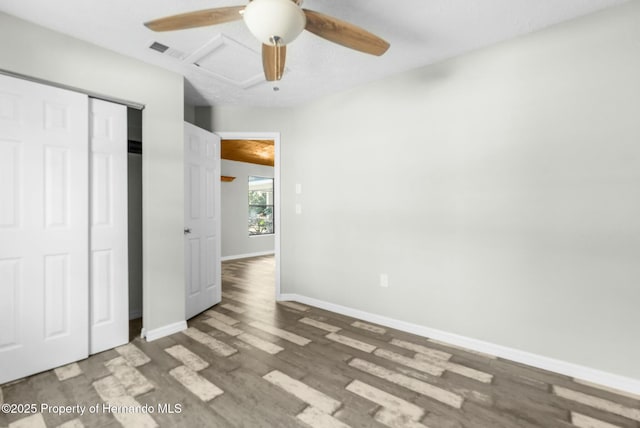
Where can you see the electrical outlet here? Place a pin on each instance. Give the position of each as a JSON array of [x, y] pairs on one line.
[[298, 189], [384, 280], [298, 208]]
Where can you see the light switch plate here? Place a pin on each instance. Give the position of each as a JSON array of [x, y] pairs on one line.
[[384, 280]]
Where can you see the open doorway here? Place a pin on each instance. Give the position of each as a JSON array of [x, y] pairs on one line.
[[250, 211], [134, 187]]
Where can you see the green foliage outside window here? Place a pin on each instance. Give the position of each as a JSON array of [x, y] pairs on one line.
[[260, 205]]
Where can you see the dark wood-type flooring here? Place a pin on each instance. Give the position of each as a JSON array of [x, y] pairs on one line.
[[251, 362]]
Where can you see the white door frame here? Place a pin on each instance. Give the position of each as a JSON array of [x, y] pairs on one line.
[[275, 136]]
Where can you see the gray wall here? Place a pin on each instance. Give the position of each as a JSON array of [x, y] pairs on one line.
[[189, 113], [134, 173], [134, 124], [235, 215], [45, 54], [499, 191], [134, 201]]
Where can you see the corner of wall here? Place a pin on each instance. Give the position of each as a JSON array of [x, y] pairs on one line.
[[189, 113], [203, 118]]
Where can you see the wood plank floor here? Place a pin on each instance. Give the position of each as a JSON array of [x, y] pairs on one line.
[[250, 362]]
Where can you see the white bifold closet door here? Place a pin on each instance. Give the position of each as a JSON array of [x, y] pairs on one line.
[[109, 265], [45, 228], [202, 219]]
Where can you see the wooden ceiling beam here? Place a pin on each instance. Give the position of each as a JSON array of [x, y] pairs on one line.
[[260, 152]]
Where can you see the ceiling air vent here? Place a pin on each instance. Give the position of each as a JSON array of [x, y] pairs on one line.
[[159, 47], [164, 49]]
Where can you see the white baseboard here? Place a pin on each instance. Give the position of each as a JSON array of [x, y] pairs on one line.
[[562, 367], [166, 330], [246, 256]]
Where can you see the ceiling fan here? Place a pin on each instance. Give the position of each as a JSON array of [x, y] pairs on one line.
[[276, 23]]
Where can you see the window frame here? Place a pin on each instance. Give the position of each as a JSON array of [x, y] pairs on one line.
[[272, 231]]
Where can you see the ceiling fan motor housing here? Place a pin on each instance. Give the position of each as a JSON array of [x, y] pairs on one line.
[[274, 21]]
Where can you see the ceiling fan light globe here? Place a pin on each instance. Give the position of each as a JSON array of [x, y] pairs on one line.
[[270, 20]]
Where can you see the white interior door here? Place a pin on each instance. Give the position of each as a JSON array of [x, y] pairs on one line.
[[202, 219], [43, 228], [108, 216]]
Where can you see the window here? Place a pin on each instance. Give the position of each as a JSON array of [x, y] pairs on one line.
[[260, 205]]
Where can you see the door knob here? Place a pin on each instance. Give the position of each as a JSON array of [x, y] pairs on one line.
[[187, 231]]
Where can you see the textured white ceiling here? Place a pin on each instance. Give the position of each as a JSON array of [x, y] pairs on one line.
[[421, 32]]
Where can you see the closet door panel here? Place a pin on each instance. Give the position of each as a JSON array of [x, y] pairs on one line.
[[44, 227], [109, 231]]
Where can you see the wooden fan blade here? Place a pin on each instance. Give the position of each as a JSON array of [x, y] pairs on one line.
[[198, 18], [273, 58], [344, 33]]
